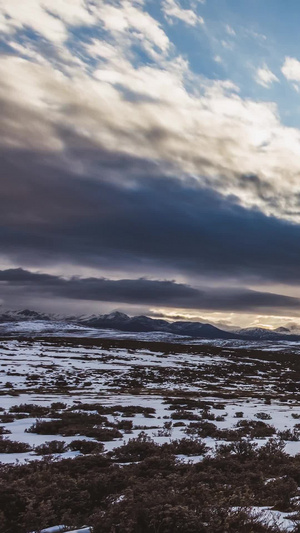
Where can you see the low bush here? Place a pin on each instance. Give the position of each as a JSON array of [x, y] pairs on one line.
[[30, 409], [10, 446], [86, 446], [186, 446], [156, 493], [74, 423], [125, 425], [288, 434], [255, 429], [202, 429], [6, 418], [263, 416], [135, 449], [181, 414], [51, 447], [239, 414]]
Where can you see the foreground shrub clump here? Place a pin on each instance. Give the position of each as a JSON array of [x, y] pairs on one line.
[[51, 447], [11, 446], [72, 423], [86, 446], [151, 491]]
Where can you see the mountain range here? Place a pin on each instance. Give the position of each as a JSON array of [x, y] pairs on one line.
[[11, 321]]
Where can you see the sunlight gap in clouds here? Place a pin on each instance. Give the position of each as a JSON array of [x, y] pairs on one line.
[[229, 321]]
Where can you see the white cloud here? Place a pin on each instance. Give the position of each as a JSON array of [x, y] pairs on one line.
[[46, 17], [230, 30], [258, 37], [52, 19], [227, 44], [127, 17], [160, 111], [172, 9], [291, 69], [212, 134], [265, 77]]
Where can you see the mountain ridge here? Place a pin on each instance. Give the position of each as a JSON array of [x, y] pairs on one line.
[[143, 324]]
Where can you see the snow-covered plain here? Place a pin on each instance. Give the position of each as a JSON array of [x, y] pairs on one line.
[[230, 385], [41, 372]]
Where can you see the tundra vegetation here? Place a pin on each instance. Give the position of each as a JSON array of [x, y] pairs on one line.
[[140, 437]]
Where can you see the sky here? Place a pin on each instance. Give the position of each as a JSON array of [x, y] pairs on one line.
[[150, 158]]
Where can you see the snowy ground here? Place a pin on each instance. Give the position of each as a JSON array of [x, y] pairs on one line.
[[248, 387], [183, 386]]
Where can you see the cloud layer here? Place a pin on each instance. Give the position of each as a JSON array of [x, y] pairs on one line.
[[105, 98], [152, 224], [143, 292], [124, 153]]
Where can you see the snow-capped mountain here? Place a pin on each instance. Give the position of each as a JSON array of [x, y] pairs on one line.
[[258, 333], [23, 315], [28, 322], [142, 323]]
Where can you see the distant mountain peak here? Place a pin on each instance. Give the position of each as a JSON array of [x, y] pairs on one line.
[[282, 329], [257, 333], [22, 315], [116, 315], [28, 313]]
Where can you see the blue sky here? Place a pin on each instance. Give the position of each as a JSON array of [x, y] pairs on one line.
[[237, 39], [156, 141]]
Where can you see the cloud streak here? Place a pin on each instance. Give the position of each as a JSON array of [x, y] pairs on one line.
[[143, 292], [265, 77], [173, 10]]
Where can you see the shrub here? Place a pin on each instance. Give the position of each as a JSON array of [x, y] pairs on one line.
[[207, 415], [186, 446], [30, 409], [51, 447], [202, 429], [166, 431], [10, 446], [58, 406], [180, 414], [71, 423], [263, 416], [6, 418], [4, 431], [255, 428], [86, 446], [288, 434], [135, 449], [125, 425]]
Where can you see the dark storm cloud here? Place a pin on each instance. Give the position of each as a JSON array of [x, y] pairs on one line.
[[141, 291], [127, 214]]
